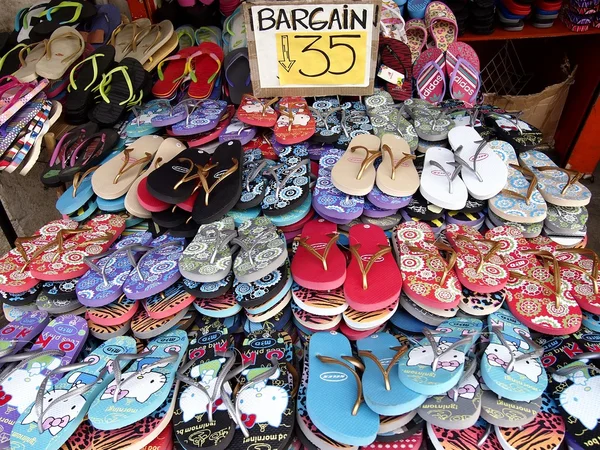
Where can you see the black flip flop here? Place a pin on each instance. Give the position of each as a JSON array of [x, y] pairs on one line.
[[60, 290], [11, 61], [59, 13], [175, 181], [68, 143], [210, 361], [118, 96], [251, 295], [90, 153], [237, 74], [223, 183], [170, 217], [186, 230], [84, 79], [22, 299], [208, 290]]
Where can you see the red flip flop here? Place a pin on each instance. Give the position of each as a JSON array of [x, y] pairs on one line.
[[318, 263], [478, 265], [296, 123], [257, 112], [204, 67], [397, 56], [147, 200], [429, 74], [373, 279], [534, 295], [174, 73]]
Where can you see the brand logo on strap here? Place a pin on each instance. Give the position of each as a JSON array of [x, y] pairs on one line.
[[333, 377], [168, 340], [211, 337], [319, 246]]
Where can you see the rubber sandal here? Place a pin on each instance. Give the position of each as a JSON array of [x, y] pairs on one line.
[[116, 313], [387, 118], [313, 269], [522, 135], [354, 173], [257, 112], [171, 77], [99, 30], [238, 131], [149, 40], [396, 175], [262, 250], [396, 55], [59, 344], [254, 181], [20, 332], [204, 67], [208, 257], [296, 123], [29, 96], [10, 62], [185, 35], [63, 48], [479, 266], [520, 200], [114, 178], [441, 23], [558, 186], [363, 288], [547, 425], [543, 309], [327, 199], [62, 13], [75, 391], [328, 114], [416, 33], [169, 302], [208, 34], [203, 117], [507, 413], [162, 53], [330, 358], [382, 390], [440, 183], [355, 122], [223, 306], [89, 153], [511, 365], [121, 88], [104, 283], [465, 82], [288, 187], [25, 17], [62, 259], [149, 382], [12, 128], [481, 435], [28, 57], [234, 31], [429, 75], [122, 38], [200, 403], [426, 276], [442, 353], [464, 400]]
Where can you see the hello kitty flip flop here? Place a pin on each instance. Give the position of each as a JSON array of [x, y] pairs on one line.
[[142, 388], [58, 412], [441, 353], [58, 345], [17, 334], [296, 123]]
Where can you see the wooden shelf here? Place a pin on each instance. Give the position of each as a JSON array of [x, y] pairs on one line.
[[528, 32]]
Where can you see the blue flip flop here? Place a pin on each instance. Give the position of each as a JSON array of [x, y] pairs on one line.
[[140, 390], [591, 321], [382, 389], [435, 365], [116, 205], [511, 365], [404, 321], [293, 216], [75, 197], [63, 407], [239, 217], [85, 211], [334, 383]]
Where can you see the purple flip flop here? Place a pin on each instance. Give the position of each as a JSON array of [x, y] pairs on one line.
[[104, 283], [238, 131], [107, 19], [204, 117], [370, 210], [15, 335], [328, 201], [58, 344], [384, 201], [157, 270], [174, 114]]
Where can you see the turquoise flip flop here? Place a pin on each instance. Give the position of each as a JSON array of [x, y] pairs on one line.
[[382, 389], [511, 365], [140, 390], [333, 381], [436, 364], [57, 413]]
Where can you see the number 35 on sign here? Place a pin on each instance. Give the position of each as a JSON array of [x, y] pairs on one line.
[[306, 48]]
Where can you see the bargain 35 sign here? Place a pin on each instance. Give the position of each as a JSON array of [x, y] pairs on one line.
[[312, 48]]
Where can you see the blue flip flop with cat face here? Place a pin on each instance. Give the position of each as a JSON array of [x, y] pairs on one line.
[[65, 405], [434, 371], [333, 392], [511, 365], [382, 389]]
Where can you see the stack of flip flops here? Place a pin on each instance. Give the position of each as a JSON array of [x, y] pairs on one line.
[[579, 15], [512, 14], [481, 16], [545, 13]]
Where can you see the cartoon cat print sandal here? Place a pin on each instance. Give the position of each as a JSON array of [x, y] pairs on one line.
[[17, 334], [58, 411], [142, 388]]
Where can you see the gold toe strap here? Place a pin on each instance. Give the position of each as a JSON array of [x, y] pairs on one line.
[[323, 258], [407, 156], [364, 270], [385, 371], [574, 176], [353, 362], [369, 159]]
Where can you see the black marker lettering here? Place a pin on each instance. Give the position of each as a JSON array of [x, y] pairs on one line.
[[298, 16], [265, 19], [335, 17], [355, 18], [283, 18], [314, 23]]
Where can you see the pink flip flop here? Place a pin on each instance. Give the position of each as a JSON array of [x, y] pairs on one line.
[[430, 76], [441, 23], [416, 33]]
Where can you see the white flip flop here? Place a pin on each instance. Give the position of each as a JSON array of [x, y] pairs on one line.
[[440, 183], [482, 171]]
